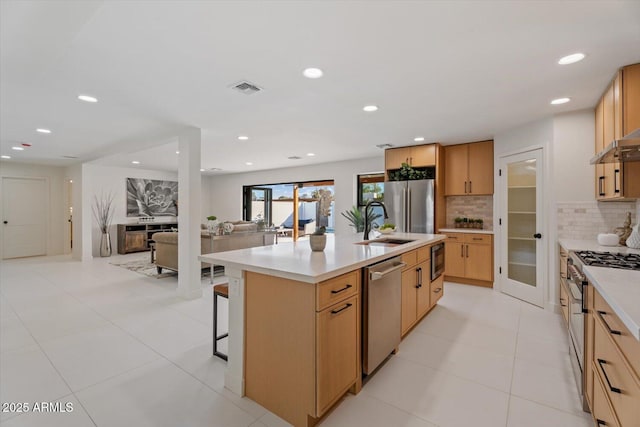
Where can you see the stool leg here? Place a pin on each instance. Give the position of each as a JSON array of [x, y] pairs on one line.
[[217, 337]]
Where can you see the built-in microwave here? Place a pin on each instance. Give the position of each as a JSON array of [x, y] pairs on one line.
[[437, 261]]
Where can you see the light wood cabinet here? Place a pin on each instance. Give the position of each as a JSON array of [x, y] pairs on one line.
[[301, 355], [617, 114], [337, 341], [416, 287], [615, 361], [469, 258], [564, 290], [469, 169], [414, 156], [588, 345]]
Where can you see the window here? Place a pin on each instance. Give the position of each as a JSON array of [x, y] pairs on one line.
[[370, 187]]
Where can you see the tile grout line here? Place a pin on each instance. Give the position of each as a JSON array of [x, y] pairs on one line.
[[513, 367]]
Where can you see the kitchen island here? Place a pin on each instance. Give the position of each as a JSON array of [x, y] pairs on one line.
[[294, 318]]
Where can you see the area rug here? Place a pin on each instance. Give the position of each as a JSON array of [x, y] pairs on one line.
[[143, 266]]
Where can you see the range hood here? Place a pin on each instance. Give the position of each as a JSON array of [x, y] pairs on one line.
[[626, 149]]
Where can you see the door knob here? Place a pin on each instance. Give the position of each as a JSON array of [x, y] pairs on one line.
[[538, 236]]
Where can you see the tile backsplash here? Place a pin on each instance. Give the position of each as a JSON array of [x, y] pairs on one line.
[[470, 207], [584, 220]]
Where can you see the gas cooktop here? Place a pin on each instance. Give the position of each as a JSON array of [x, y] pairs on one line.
[[612, 260]]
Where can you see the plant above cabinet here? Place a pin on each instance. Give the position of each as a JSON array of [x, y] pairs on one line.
[[408, 173]]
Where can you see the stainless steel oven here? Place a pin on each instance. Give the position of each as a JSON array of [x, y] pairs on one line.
[[437, 261], [577, 283]]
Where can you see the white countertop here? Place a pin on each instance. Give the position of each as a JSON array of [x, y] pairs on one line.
[[296, 261], [621, 290], [465, 230], [592, 245]]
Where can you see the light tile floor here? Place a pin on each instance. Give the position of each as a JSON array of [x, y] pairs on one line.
[[126, 351]]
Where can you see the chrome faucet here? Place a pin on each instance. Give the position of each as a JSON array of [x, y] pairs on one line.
[[370, 203]]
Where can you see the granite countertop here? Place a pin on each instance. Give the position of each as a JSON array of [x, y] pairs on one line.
[[465, 230], [296, 261], [620, 288]]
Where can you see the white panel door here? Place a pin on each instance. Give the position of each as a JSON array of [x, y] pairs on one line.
[[24, 217], [522, 223]]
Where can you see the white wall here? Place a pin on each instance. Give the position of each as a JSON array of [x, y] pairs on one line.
[[55, 176], [104, 179], [573, 146], [226, 190]]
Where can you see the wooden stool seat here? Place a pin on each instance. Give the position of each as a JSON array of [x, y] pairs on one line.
[[219, 290]]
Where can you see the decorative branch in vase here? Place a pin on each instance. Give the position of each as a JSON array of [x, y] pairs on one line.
[[103, 213]]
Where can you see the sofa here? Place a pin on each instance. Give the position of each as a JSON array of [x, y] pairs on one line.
[[167, 244]]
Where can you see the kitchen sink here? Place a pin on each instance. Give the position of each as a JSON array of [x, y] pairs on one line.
[[385, 241]]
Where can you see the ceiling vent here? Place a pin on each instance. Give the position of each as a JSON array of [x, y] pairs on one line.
[[384, 146], [294, 157], [215, 169], [246, 87], [70, 157]]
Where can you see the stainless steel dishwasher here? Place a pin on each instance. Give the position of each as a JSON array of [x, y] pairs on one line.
[[381, 312]]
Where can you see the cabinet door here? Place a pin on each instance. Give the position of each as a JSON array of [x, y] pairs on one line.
[[608, 132], [437, 290], [480, 168], [395, 157], [478, 261], [601, 408], [423, 291], [564, 302], [422, 155], [599, 123], [337, 357], [135, 241], [409, 298], [630, 98], [588, 346], [456, 169], [454, 258]]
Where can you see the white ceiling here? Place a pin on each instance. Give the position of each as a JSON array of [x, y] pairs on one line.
[[449, 71]]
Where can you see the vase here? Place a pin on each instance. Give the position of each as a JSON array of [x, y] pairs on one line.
[[105, 245], [317, 242]]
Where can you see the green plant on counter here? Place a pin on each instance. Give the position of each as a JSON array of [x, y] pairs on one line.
[[458, 220], [356, 218]]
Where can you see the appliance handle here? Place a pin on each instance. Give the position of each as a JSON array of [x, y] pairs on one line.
[[376, 275], [409, 210], [584, 293], [405, 205]]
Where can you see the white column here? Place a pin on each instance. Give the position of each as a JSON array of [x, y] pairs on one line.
[[189, 193], [234, 375]]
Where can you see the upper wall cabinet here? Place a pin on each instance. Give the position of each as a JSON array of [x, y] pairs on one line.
[[468, 169], [415, 156], [617, 114]]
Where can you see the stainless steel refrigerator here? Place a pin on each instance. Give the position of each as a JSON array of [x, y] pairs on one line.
[[410, 205]]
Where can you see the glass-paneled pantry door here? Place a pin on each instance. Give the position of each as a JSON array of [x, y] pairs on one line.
[[522, 221]]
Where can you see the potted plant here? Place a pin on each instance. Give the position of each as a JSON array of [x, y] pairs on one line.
[[357, 219], [103, 213], [212, 224], [458, 222], [465, 222], [479, 223], [318, 240]]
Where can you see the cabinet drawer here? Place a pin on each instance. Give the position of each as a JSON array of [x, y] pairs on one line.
[[437, 290], [336, 289], [477, 238], [629, 346], [455, 237], [410, 258], [601, 408], [424, 253], [620, 386]]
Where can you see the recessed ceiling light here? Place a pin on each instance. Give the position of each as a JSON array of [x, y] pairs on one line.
[[248, 163], [5, 157], [560, 101], [571, 59], [135, 162], [87, 98], [418, 138], [311, 154], [17, 148], [243, 137], [312, 73], [42, 130], [177, 152], [201, 170], [370, 108]]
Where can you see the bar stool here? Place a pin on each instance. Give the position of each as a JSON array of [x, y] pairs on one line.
[[220, 290]]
